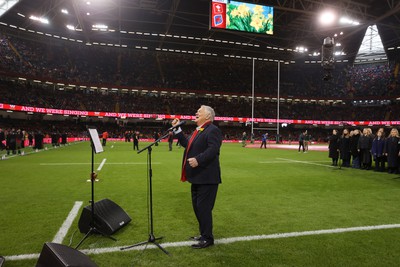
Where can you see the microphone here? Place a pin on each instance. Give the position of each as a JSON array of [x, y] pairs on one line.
[[176, 126]]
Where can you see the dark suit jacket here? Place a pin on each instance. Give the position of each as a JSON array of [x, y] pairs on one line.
[[205, 148]]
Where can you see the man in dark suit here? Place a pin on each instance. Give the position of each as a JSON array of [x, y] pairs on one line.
[[201, 168]]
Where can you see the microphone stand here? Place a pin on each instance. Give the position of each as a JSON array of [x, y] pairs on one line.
[[152, 239]]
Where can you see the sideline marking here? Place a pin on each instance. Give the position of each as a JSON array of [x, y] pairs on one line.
[[286, 161], [101, 164], [46, 148], [226, 240], [87, 163], [62, 232], [308, 162]]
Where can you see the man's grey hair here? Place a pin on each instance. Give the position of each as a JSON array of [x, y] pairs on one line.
[[210, 111]]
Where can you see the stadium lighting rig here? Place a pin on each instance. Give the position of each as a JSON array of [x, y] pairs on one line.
[[327, 17], [39, 19]]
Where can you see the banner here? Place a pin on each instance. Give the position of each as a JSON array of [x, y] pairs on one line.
[[67, 112]]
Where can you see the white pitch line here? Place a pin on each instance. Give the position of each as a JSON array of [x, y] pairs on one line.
[[286, 161], [87, 163], [62, 232], [64, 163], [227, 240], [101, 164], [34, 152], [307, 162], [131, 163]]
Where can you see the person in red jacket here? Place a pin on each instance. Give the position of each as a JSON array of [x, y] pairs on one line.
[[105, 136]]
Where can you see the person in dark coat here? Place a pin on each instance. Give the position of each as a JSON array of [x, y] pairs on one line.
[[135, 136], [392, 151], [301, 141], [170, 140], [156, 136], [365, 146], [2, 139], [344, 147], [354, 136], [378, 146], [201, 168], [11, 142], [334, 147]]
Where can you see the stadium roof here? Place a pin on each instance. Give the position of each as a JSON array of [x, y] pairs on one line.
[[183, 25]]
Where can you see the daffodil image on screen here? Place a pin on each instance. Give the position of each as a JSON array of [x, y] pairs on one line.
[[249, 18]]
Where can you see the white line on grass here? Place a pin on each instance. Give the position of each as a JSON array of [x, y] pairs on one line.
[[228, 240], [307, 162], [34, 152], [62, 232], [286, 161], [273, 162], [101, 164], [87, 163]]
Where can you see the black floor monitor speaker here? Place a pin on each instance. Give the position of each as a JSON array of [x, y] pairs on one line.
[[57, 255], [108, 218]]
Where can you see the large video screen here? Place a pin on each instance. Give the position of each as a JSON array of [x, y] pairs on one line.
[[241, 16]]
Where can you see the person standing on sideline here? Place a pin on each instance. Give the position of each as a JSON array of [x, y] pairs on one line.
[[201, 168], [365, 146], [334, 147], [2, 139], [105, 136], [156, 136], [378, 146], [135, 136], [306, 140], [264, 140], [392, 151], [354, 136], [244, 138], [344, 148], [301, 141], [170, 140]]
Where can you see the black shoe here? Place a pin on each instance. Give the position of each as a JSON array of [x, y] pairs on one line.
[[203, 244], [195, 238]]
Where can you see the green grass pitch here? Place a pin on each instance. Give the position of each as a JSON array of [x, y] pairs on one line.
[[263, 192]]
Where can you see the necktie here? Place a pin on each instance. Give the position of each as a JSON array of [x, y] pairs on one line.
[[183, 176]]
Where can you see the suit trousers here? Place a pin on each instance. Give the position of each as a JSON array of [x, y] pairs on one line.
[[203, 199]]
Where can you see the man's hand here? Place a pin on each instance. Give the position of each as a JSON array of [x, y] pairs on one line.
[[193, 162], [175, 122]]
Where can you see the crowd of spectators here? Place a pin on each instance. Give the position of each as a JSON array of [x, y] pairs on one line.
[[108, 66], [42, 95], [39, 95]]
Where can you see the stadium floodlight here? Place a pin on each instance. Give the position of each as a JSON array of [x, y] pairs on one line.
[[327, 17], [64, 11], [301, 49], [40, 19], [100, 26], [345, 20], [70, 27]]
